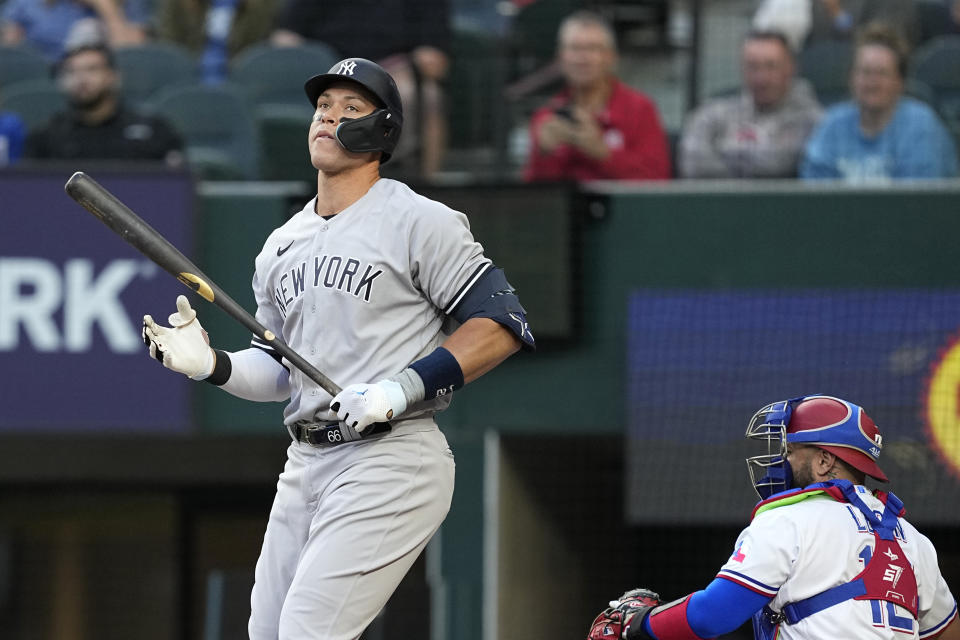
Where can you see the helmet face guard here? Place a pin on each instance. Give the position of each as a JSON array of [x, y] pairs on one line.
[[377, 131], [770, 472]]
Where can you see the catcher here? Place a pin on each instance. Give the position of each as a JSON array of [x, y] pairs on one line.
[[824, 557]]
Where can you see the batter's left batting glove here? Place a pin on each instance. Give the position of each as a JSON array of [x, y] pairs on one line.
[[360, 405], [614, 623], [183, 346]]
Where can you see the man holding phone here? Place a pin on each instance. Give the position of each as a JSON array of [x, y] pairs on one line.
[[597, 128]]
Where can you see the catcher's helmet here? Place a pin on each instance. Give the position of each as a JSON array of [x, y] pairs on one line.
[[840, 427], [378, 131]]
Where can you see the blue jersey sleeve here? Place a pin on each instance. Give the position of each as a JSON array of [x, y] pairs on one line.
[[818, 161], [720, 608]]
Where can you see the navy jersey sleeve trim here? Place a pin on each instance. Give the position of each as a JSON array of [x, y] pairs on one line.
[[472, 280], [259, 343]]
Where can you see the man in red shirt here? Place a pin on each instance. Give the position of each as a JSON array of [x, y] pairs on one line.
[[597, 128]]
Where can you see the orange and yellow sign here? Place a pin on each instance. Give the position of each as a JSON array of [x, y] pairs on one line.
[[943, 406]]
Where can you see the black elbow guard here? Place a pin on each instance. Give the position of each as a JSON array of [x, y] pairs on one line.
[[491, 296]]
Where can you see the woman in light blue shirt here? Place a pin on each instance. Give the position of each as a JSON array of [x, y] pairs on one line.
[[881, 134]]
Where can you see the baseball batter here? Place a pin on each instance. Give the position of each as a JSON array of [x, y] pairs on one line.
[[388, 291], [824, 557]]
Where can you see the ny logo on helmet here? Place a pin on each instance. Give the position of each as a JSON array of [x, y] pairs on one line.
[[346, 68]]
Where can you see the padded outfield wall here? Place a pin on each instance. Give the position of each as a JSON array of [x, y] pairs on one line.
[[670, 314]]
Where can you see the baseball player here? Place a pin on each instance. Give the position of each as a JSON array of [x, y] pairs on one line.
[[383, 289], [823, 557]]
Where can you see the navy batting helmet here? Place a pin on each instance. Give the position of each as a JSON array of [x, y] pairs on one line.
[[378, 131]]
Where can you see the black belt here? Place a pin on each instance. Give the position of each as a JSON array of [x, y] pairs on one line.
[[330, 434]]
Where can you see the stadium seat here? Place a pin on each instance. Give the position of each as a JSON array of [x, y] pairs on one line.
[[151, 67], [218, 129], [35, 101], [271, 78], [826, 65], [472, 89], [275, 75], [934, 18], [283, 142], [920, 90], [937, 65], [533, 32], [18, 64]]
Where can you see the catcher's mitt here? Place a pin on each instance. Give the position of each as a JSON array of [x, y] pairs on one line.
[[612, 622]]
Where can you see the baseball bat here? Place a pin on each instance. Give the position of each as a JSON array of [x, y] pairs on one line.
[[141, 236]]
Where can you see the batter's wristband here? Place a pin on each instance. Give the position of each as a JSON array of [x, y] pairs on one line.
[[440, 372], [221, 369]]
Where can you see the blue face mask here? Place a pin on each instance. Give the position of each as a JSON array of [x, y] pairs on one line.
[[779, 477], [770, 473]]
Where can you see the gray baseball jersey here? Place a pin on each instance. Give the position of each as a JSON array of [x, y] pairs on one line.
[[361, 295], [365, 293]]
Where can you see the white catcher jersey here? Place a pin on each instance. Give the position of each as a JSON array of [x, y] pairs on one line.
[[796, 551], [364, 294]]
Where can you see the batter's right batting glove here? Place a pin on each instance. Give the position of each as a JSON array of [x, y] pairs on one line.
[[360, 405], [183, 346], [613, 623]]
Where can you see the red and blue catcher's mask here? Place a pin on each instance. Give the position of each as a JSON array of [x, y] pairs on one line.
[[840, 427]]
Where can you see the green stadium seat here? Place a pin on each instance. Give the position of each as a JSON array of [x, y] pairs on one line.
[[151, 67], [533, 32], [283, 142], [826, 64], [473, 89], [937, 64], [271, 79], [275, 75], [35, 101], [18, 64], [217, 126]]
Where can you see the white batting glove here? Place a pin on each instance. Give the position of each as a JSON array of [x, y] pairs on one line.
[[361, 405], [183, 346]]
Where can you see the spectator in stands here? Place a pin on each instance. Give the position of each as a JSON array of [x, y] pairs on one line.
[[808, 21], [12, 134], [881, 134], [760, 132], [408, 38], [215, 30], [939, 18], [97, 125], [55, 26], [597, 128]]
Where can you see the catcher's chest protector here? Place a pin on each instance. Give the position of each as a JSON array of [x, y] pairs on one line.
[[887, 574]]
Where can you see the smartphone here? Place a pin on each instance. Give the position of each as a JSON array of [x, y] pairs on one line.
[[565, 112]]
